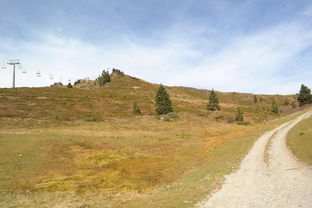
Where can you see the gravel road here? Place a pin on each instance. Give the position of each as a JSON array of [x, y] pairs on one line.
[[280, 181]]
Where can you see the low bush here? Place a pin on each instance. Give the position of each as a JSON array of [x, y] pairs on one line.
[[219, 117], [230, 119], [169, 117], [136, 109]]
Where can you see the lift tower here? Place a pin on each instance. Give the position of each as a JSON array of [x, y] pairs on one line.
[[14, 63]]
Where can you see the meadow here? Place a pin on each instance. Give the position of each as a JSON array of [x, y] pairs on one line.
[[83, 147]]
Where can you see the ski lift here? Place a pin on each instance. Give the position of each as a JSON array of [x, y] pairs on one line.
[[24, 71], [3, 66], [20, 67], [38, 74], [51, 76]]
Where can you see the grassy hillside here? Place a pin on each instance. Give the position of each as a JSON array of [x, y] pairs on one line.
[[116, 99], [83, 147]]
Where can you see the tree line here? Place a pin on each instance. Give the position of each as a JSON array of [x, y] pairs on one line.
[[164, 104]]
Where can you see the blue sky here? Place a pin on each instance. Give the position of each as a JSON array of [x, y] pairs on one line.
[[259, 46]]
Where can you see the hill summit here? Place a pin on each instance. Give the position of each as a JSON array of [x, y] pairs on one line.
[[88, 101]]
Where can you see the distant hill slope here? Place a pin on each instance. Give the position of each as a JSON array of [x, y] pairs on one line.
[[89, 102]]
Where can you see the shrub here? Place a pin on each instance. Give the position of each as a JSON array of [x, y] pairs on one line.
[[255, 99], [286, 102], [213, 101], [78, 81], [172, 116], [136, 109], [230, 119], [274, 108], [219, 117], [163, 102], [57, 84], [239, 115], [261, 99]]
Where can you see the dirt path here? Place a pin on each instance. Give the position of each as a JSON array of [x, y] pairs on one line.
[[282, 181]]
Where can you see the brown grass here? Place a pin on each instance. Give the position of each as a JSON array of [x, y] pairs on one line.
[[141, 161], [84, 148]]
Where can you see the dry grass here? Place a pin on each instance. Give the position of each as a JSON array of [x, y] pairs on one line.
[[139, 162], [116, 99], [83, 147], [131, 154], [299, 140]]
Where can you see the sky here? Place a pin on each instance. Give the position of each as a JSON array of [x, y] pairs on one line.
[[257, 46]]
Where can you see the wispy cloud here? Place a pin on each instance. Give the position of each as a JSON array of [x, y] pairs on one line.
[[182, 53]]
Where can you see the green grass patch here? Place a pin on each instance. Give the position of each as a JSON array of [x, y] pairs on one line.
[[299, 140]]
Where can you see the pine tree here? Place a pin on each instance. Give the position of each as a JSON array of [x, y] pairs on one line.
[[239, 115], [69, 85], [274, 107], [255, 99], [163, 102], [118, 72], [136, 109], [305, 96], [104, 78], [213, 101], [78, 81]]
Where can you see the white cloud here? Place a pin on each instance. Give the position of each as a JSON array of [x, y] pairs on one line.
[[249, 63]]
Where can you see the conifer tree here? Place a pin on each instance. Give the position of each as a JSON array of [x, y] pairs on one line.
[[163, 102], [69, 85], [118, 72], [213, 101], [239, 115], [255, 99], [274, 107], [136, 109], [104, 78], [305, 96]]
